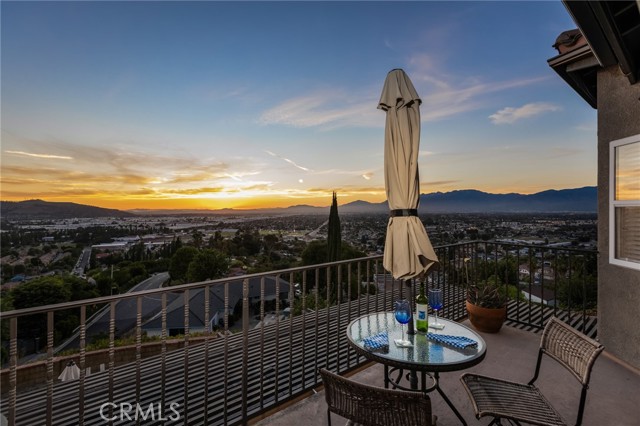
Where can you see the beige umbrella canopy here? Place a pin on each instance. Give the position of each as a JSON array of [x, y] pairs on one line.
[[407, 251]]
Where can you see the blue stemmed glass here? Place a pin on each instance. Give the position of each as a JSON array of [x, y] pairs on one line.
[[403, 316], [435, 301]]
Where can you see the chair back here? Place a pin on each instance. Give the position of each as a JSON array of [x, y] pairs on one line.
[[374, 406], [572, 349]]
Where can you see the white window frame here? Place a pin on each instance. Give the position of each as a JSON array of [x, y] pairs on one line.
[[613, 203]]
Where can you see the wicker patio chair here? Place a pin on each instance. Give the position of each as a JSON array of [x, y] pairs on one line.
[[519, 402], [373, 406]]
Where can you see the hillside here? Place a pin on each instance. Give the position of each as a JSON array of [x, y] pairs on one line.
[[471, 201], [39, 209]]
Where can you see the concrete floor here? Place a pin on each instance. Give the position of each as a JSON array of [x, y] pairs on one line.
[[613, 398]]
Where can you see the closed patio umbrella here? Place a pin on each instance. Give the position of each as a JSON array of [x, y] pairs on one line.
[[408, 252]]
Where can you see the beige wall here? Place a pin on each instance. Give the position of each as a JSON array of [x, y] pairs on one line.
[[618, 287]]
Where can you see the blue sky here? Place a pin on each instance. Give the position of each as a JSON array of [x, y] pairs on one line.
[[245, 104]]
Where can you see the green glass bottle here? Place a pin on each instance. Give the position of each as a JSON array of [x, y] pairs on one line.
[[422, 323]]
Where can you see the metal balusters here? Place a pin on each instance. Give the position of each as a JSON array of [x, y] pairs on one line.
[[359, 278], [349, 349], [245, 347], [328, 310], [277, 363], [163, 350], [304, 327], [316, 291], [226, 349], [338, 308], [186, 357], [262, 372], [518, 285], [531, 277], [556, 263], [49, 368], [569, 288], [207, 338], [138, 349], [290, 348], [13, 369], [83, 332], [112, 361]]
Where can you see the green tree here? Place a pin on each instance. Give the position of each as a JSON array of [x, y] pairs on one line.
[[41, 291], [269, 242], [578, 289], [180, 262], [80, 289], [38, 292], [207, 264], [197, 238]]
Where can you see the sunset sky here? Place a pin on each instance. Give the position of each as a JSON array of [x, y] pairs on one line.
[[213, 104]]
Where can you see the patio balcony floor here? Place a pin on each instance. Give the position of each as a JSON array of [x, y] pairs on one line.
[[511, 354]]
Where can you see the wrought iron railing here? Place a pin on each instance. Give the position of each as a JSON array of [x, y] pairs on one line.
[[273, 331]]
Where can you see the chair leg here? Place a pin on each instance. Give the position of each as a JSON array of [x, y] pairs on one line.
[[329, 417]]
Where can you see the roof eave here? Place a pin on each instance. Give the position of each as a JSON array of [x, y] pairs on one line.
[[571, 66]]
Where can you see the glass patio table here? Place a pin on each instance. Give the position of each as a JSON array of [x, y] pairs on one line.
[[369, 333]]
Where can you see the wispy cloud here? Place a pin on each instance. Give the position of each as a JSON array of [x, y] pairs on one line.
[[327, 109], [30, 154], [510, 115], [293, 163], [558, 151], [587, 127], [443, 96], [118, 172], [439, 183]]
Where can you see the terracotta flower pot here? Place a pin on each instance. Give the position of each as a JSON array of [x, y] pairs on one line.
[[488, 320]]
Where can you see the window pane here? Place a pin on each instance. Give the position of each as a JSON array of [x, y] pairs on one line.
[[628, 233], [628, 172]]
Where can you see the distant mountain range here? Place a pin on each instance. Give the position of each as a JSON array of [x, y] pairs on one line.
[[39, 209], [465, 201]]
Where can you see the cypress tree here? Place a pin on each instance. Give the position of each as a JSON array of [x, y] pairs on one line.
[[334, 237]]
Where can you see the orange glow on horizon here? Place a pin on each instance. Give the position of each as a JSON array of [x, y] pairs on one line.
[[237, 203]]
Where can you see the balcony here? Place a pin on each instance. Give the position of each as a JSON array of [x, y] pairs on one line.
[[231, 351], [511, 354]]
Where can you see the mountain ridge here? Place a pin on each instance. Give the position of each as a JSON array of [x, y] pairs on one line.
[[40, 209], [582, 200]]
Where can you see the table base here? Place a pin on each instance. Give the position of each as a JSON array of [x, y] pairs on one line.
[[412, 378]]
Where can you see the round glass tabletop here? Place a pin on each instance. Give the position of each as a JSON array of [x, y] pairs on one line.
[[373, 335]]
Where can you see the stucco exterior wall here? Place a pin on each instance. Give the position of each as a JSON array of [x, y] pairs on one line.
[[618, 287]]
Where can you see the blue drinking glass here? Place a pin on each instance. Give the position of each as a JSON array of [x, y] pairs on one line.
[[435, 301], [402, 312]]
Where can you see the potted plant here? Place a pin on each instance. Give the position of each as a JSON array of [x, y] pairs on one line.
[[486, 304]]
